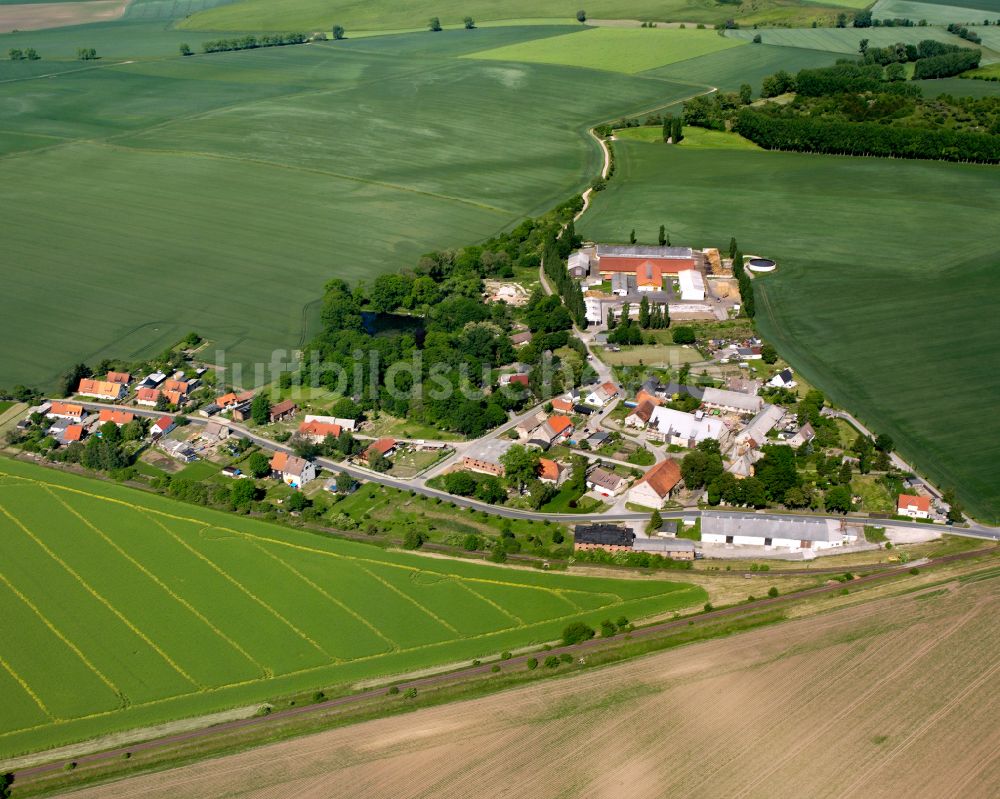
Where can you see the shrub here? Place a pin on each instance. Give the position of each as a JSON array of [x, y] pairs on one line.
[[577, 632], [551, 662], [495, 668], [319, 696], [393, 691], [531, 663], [505, 656], [709, 606], [410, 693], [413, 539], [772, 591], [566, 657]]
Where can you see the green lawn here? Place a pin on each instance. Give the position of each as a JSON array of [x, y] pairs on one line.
[[694, 138], [560, 503], [231, 187], [627, 50], [125, 609], [6, 405], [887, 274], [199, 470]]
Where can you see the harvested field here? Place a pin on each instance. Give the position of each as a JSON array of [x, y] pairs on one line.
[[890, 698], [35, 16]]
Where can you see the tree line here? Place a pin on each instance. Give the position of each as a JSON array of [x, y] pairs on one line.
[[742, 279], [250, 42], [802, 134], [28, 54]]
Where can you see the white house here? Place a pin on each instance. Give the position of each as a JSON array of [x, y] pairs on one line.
[[293, 470], [162, 426], [692, 285], [641, 415], [685, 429], [913, 506], [605, 483], [803, 435], [655, 487], [777, 532], [783, 379], [602, 395]]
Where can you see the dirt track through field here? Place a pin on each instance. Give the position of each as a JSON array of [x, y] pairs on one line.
[[36, 16], [892, 698]]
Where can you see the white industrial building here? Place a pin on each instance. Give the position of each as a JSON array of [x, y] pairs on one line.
[[692, 285], [795, 534], [685, 429]]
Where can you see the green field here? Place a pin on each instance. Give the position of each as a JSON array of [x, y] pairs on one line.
[[694, 138], [888, 273], [729, 69], [845, 40], [371, 15], [123, 609], [219, 193], [974, 11], [628, 50]]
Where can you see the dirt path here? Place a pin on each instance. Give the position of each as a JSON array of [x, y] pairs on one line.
[[721, 718], [129, 737]]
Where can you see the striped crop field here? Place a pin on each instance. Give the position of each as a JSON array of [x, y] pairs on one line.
[[122, 609]]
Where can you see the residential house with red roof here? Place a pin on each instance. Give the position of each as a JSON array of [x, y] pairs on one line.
[[914, 506], [655, 488], [100, 389], [317, 431], [118, 417], [292, 470]]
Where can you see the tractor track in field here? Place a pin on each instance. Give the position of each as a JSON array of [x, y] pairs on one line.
[[96, 758]]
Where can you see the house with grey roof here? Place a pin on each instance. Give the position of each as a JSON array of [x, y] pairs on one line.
[[793, 533]]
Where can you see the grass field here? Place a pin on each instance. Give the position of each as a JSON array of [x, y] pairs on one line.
[[845, 40], [123, 609], [974, 11], [628, 50], [904, 686], [370, 15], [694, 138], [887, 273], [231, 187], [729, 69]]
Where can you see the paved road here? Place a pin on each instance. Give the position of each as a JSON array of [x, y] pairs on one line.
[[420, 487], [576, 650]]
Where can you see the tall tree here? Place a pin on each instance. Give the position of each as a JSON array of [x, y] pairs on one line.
[[663, 235], [644, 317], [260, 409]]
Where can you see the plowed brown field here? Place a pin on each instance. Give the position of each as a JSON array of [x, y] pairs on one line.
[[893, 698]]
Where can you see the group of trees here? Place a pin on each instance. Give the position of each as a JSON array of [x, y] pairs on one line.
[[28, 54], [964, 33], [713, 111], [656, 317], [673, 129], [458, 337], [555, 253], [742, 279], [944, 66], [804, 134], [251, 42], [86, 54]]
